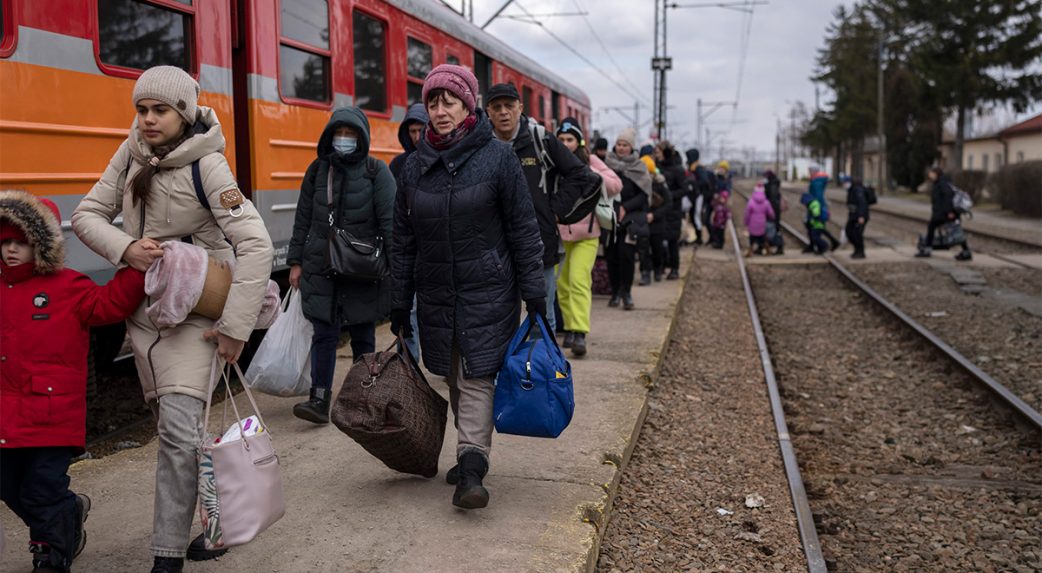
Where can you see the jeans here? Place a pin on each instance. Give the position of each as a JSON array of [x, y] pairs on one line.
[[34, 483], [323, 348], [471, 401], [550, 275], [575, 285], [179, 424]]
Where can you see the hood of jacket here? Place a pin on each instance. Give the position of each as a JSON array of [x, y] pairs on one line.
[[416, 114], [206, 138], [759, 197], [347, 117], [40, 226]]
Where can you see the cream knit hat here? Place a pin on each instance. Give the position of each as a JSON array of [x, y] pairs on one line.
[[629, 135], [172, 86]]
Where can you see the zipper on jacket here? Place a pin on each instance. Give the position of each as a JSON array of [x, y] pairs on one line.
[[151, 347], [452, 272]]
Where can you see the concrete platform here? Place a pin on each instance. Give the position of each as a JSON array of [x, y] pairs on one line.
[[347, 513]]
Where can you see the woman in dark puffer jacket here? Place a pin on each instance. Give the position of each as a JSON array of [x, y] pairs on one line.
[[466, 243]]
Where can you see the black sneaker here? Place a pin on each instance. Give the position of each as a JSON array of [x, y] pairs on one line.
[[658, 276], [645, 279], [858, 255], [673, 275], [567, 342], [627, 302], [615, 300], [197, 550], [965, 255], [82, 509], [168, 565], [315, 409]]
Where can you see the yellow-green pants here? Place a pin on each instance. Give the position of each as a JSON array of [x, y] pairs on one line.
[[575, 284]]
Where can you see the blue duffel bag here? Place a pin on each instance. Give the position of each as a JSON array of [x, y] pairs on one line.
[[534, 387]]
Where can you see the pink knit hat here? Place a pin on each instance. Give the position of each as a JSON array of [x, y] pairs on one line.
[[459, 81]]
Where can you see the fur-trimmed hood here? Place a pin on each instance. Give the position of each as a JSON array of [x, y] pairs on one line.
[[40, 225]]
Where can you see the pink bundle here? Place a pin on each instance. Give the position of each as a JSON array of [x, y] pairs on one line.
[[175, 282]]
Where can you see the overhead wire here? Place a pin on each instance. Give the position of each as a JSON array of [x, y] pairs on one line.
[[747, 26], [577, 53], [607, 53]]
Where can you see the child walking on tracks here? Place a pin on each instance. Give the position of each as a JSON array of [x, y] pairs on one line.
[[43, 394]]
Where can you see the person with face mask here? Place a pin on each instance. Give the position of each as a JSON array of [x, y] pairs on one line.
[[363, 205]]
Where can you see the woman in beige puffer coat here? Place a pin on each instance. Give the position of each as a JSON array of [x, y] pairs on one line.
[[150, 182]]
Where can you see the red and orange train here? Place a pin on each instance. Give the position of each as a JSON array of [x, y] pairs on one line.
[[272, 70]]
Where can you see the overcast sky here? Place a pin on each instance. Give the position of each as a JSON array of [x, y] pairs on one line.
[[706, 46]]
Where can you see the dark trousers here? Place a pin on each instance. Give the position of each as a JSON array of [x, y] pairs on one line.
[[817, 242], [620, 258], [673, 254], [659, 253], [647, 257], [34, 483], [716, 237], [323, 348], [856, 234]]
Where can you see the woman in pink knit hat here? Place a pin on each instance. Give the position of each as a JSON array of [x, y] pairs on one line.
[[466, 244]]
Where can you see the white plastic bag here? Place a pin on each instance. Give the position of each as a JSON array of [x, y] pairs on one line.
[[282, 364]]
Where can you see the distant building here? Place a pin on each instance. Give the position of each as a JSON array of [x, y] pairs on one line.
[[1015, 144]]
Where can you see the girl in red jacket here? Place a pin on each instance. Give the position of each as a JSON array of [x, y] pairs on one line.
[[46, 313]]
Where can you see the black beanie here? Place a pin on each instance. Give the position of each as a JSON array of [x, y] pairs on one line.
[[571, 125], [692, 155], [601, 143]]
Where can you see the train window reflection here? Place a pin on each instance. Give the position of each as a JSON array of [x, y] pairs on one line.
[[452, 60], [135, 34], [306, 21], [370, 41], [421, 60], [303, 75], [526, 100]]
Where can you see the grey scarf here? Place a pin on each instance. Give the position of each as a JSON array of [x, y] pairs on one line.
[[633, 168]]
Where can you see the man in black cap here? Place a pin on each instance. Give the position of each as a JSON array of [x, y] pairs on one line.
[[600, 148], [549, 167]]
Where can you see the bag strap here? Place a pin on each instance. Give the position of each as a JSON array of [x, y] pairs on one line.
[[546, 163], [229, 398], [197, 182]]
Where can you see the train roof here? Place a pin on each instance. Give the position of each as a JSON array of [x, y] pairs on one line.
[[445, 19]]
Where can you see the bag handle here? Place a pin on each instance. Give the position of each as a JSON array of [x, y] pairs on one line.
[[229, 397]]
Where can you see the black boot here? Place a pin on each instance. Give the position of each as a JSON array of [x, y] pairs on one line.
[[168, 565], [197, 550], [965, 255], [315, 409], [673, 275], [82, 509], [645, 278], [568, 338], [627, 301], [579, 344], [615, 300], [452, 476], [470, 494]]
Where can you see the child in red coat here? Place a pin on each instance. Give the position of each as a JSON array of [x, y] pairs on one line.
[[46, 313]]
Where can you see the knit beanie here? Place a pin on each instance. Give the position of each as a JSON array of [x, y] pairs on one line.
[[571, 125], [172, 86], [724, 165], [457, 80], [601, 143], [629, 135]]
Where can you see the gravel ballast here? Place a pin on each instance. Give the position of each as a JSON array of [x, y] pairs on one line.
[[708, 449]]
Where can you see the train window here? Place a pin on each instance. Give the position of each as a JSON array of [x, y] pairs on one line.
[[452, 60], [542, 106], [306, 21], [138, 34], [421, 60], [303, 75], [370, 62], [304, 56], [526, 100]]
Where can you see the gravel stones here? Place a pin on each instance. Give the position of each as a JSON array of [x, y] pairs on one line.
[[708, 443]]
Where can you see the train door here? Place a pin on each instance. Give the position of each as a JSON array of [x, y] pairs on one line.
[[555, 108], [483, 71], [241, 98]]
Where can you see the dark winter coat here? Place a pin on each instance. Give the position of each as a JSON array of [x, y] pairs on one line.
[[673, 170], [635, 201], [773, 191], [661, 226], [363, 206], [416, 114], [466, 244], [568, 172], [45, 315], [942, 199], [857, 202]]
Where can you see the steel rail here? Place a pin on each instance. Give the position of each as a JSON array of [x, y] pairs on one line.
[[804, 515], [1004, 394]]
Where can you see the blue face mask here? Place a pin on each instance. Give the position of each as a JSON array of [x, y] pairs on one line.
[[345, 145]]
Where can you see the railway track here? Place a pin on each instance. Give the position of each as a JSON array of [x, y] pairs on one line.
[[907, 464]]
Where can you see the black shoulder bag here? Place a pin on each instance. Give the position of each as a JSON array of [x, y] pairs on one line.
[[349, 257]]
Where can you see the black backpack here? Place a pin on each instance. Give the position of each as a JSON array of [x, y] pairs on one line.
[[582, 200], [870, 195]]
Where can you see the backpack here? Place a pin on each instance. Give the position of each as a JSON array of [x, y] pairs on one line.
[[580, 202], [961, 200], [870, 195]]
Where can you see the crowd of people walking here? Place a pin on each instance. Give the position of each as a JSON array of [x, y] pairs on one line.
[[484, 213]]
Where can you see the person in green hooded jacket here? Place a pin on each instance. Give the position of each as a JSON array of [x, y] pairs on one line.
[[363, 205]]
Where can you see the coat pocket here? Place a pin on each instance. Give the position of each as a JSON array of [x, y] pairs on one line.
[[48, 397]]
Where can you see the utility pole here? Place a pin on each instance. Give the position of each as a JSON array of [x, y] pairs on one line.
[[881, 147], [777, 146], [660, 64]]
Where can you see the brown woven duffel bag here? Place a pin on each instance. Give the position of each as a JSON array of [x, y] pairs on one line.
[[387, 406]]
